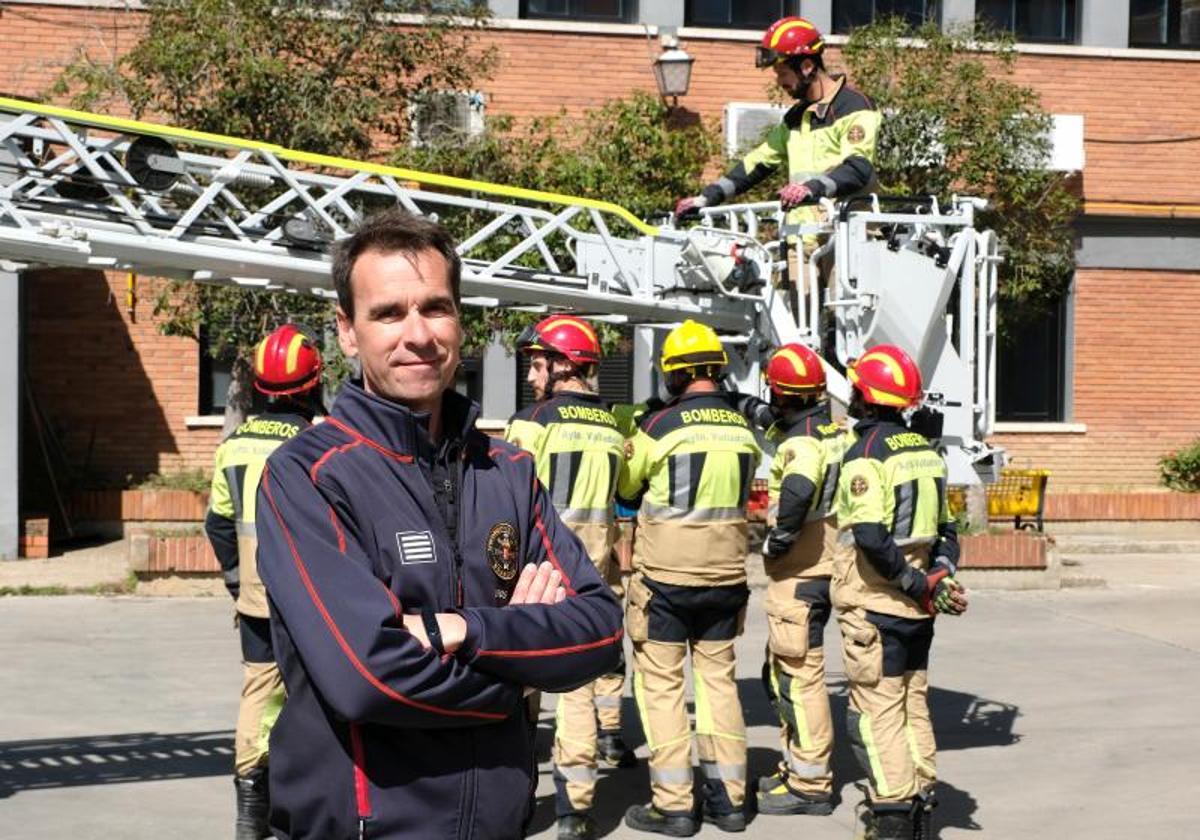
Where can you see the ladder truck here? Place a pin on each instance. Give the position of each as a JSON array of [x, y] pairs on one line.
[[86, 190]]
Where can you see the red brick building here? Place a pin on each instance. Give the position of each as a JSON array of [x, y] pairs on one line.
[[123, 400]]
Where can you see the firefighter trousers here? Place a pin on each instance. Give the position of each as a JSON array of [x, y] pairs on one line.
[[575, 720], [797, 611], [665, 624], [887, 659], [262, 695], [611, 686]]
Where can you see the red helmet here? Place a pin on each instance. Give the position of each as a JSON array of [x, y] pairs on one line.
[[886, 375], [287, 362], [788, 37], [563, 334], [795, 370]]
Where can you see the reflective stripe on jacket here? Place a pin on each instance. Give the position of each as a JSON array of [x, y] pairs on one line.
[[577, 449], [689, 467]]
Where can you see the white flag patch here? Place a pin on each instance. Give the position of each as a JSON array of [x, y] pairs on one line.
[[416, 547]]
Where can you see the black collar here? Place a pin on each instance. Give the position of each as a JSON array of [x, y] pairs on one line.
[[796, 423]]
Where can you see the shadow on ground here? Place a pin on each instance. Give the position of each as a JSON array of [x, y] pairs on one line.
[[961, 721], [112, 759]]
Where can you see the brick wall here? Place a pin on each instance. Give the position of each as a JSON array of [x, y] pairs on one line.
[[541, 72], [113, 389], [1135, 381]]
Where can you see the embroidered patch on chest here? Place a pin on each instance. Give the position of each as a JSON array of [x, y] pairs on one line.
[[502, 549], [858, 485], [416, 547], [856, 134]]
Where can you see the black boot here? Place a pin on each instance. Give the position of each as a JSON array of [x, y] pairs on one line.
[[718, 809], [612, 750], [775, 797], [576, 827], [892, 821], [924, 803], [253, 805], [649, 818]]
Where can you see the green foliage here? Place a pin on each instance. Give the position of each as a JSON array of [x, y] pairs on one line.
[[195, 481], [630, 151], [337, 81], [1180, 469], [956, 122]]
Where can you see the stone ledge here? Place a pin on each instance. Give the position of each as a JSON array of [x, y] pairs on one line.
[[1163, 505]]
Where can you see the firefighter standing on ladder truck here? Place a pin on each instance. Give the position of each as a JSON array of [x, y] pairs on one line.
[[798, 556], [577, 449], [827, 139], [891, 505], [688, 469], [287, 368]]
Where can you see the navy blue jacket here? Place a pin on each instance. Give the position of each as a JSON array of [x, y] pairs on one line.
[[380, 737]]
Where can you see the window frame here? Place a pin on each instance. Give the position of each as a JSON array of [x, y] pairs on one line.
[[786, 8], [932, 13], [1174, 29], [1071, 37], [206, 397], [628, 13]]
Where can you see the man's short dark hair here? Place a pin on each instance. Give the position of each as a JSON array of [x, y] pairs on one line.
[[390, 231]]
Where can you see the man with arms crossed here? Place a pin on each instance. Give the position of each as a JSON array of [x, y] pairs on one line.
[[419, 578]]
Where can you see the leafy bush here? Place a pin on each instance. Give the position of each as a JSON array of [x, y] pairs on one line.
[[1181, 469], [197, 481]]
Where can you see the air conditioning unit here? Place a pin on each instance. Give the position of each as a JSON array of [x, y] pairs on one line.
[[1066, 143], [444, 115], [746, 124]]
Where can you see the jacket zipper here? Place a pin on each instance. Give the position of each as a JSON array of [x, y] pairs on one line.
[[362, 796], [458, 515]]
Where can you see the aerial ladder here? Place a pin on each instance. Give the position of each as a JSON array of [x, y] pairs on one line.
[[86, 190]]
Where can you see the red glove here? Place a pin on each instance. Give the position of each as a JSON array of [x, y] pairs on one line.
[[689, 206], [793, 195], [931, 582]]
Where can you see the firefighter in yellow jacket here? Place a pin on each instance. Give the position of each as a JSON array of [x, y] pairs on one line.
[[827, 139], [688, 469], [798, 556], [577, 449], [287, 368], [891, 505]]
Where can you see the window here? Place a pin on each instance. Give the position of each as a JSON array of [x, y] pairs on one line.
[[736, 14], [215, 375], [848, 14], [1048, 21], [610, 10], [469, 380], [1164, 23], [1030, 367]]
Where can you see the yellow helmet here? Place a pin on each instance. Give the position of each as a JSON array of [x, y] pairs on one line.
[[692, 344]]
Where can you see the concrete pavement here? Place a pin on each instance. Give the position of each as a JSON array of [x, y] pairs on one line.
[[1065, 713]]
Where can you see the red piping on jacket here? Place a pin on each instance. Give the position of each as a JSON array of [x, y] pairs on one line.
[[362, 669], [337, 529], [329, 453], [378, 447], [616, 637], [362, 795], [541, 526]]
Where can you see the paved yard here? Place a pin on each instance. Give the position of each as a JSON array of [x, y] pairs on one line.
[[1066, 713]]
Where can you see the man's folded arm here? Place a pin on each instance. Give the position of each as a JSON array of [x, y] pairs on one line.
[[552, 647], [347, 625]]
